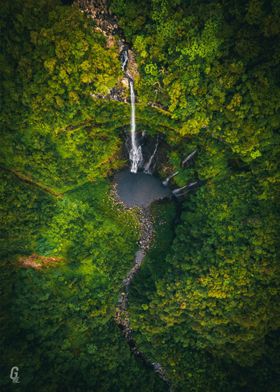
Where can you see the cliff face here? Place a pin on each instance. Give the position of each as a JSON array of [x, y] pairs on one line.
[[106, 23], [99, 11]]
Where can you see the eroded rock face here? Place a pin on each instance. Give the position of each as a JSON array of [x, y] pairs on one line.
[[132, 67], [107, 24]]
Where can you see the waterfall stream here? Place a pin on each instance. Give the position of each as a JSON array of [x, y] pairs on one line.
[[135, 153], [135, 156], [178, 190], [165, 182], [124, 59], [122, 315], [188, 186], [136, 159], [147, 167], [188, 157]]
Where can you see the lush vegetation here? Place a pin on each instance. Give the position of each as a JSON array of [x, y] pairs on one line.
[[210, 312], [53, 61], [62, 272], [206, 302], [65, 246]]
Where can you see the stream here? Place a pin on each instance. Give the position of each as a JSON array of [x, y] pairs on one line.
[[138, 190], [134, 188], [122, 315]]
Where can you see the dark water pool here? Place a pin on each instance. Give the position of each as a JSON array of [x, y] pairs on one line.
[[139, 189]]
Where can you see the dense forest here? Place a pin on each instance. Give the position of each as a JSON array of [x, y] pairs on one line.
[[205, 303]]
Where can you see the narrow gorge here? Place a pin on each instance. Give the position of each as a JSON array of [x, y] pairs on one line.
[[139, 197]]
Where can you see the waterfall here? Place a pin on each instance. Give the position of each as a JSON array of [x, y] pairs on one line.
[[147, 167], [190, 185], [188, 157], [178, 190], [165, 182], [124, 59], [135, 154]]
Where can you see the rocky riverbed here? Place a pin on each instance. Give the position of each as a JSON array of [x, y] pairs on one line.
[[122, 315]]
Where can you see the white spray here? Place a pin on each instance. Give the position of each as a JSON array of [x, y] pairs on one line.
[[147, 167], [135, 153]]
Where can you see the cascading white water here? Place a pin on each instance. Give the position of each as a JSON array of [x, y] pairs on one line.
[[165, 182], [147, 167], [135, 153], [188, 186], [188, 157], [178, 190], [124, 59]]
